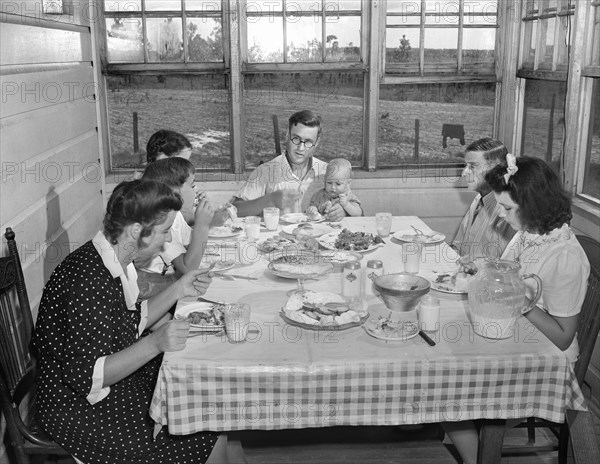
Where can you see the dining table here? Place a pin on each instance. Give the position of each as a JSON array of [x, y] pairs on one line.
[[289, 377]]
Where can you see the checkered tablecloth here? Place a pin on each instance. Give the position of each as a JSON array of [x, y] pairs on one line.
[[286, 377]]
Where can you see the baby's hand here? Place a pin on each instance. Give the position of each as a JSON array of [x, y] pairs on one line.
[[343, 199], [312, 210]]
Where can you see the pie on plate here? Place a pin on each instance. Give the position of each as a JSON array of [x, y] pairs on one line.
[[324, 310], [297, 265], [306, 230], [411, 236], [385, 328]]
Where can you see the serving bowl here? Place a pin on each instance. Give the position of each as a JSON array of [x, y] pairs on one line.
[[402, 291]]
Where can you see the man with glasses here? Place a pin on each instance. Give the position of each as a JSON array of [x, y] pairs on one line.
[[284, 181]]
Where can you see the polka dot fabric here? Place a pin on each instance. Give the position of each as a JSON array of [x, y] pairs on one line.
[[83, 316]]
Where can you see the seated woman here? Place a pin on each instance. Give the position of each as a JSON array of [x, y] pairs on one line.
[[534, 203], [96, 373]]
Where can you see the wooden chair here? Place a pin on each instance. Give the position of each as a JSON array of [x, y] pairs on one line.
[[17, 366], [587, 333], [585, 446]]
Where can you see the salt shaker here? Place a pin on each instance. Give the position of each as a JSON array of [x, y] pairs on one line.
[[373, 270], [351, 280]]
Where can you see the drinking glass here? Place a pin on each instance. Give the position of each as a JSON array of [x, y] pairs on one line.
[[252, 228], [384, 224], [237, 319], [411, 257], [271, 216]]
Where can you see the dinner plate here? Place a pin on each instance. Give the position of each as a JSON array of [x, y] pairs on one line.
[[297, 218], [201, 307], [307, 230], [411, 237], [446, 285], [324, 268], [340, 257], [220, 263], [327, 241], [307, 326], [371, 328], [224, 231]]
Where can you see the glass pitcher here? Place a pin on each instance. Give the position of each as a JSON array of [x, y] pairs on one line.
[[497, 297]]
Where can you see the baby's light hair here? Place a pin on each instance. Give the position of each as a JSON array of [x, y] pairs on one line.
[[339, 165]]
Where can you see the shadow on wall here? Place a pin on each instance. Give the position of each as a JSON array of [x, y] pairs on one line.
[[58, 244]]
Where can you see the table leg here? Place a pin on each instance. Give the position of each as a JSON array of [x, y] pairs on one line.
[[491, 437]]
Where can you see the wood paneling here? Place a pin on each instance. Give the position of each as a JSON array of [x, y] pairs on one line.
[[37, 88], [23, 44], [29, 134]]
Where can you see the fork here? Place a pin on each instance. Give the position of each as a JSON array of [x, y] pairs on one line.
[[418, 231]]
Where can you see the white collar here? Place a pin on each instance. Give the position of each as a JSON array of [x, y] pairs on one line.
[[111, 262]]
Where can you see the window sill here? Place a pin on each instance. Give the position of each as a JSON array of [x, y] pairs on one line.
[[587, 207]]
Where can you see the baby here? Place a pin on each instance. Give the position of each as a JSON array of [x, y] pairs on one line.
[[337, 190]]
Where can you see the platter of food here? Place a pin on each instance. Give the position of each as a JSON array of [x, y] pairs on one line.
[[203, 317], [346, 240], [387, 329], [448, 282], [297, 218], [225, 231], [324, 311], [306, 230], [299, 265], [412, 237]]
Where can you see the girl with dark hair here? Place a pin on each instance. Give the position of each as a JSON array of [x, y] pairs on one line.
[[166, 144], [534, 203], [96, 373], [185, 250]]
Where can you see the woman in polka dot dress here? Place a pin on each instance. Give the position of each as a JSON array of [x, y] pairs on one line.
[[96, 372]]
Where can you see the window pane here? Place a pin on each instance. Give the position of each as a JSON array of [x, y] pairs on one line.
[[470, 105], [547, 55], [530, 42], [262, 6], [206, 6], [403, 20], [163, 5], [306, 6], [337, 97], [591, 180], [402, 46], [122, 5], [165, 41], [532, 7], [265, 39], [478, 46], [544, 120], [479, 6], [304, 39], [550, 6], [196, 106], [343, 39], [404, 6], [595, 60], [124, 40], [441, 46], [562, 60], [335, 5], [205, 39], [442, 12]]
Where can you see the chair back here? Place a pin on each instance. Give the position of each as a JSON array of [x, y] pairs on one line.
[[16, 323], [589, 319]]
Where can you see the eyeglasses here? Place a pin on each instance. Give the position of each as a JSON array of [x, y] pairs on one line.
[[165, 266], [307, 143]]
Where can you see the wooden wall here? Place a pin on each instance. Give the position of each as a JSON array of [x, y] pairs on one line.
[[51, 186]]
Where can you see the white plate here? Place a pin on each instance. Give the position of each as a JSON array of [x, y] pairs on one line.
[[317, 326], [412, 237], [224, 232], [370, 326], [203, 307], [220, 263], [297, 218], [308, 230], [340, 257], [327, 241], [445, 286]]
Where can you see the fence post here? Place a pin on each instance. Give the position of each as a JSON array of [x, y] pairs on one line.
[[136, 144], [416, 153]]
